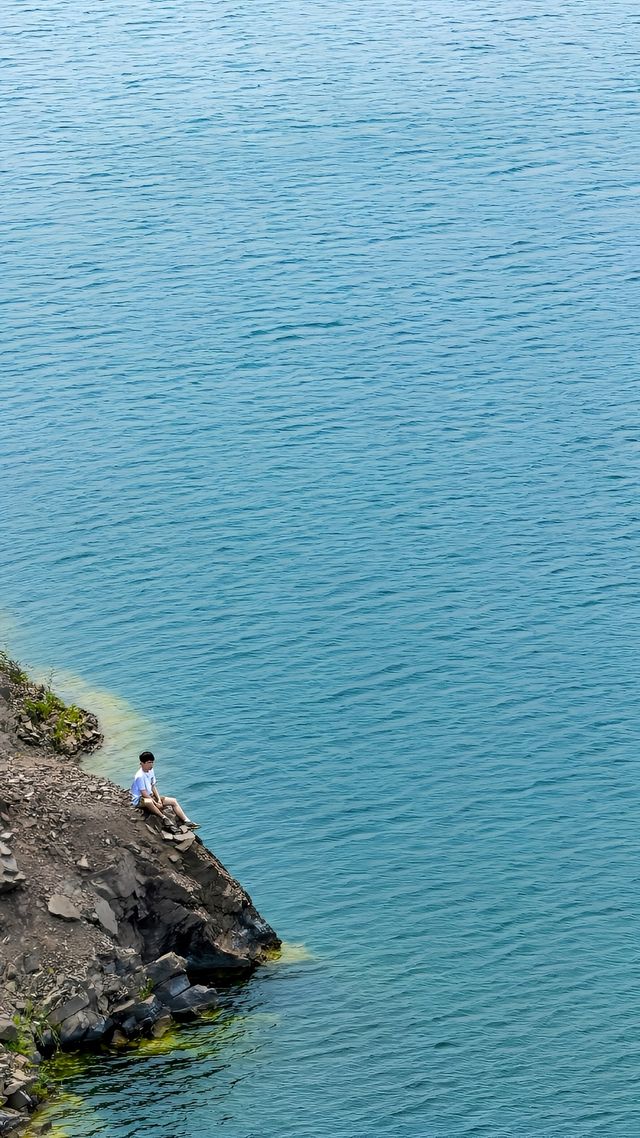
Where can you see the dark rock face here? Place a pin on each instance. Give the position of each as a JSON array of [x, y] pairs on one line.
[[172, 988], [159, 971], [196, 909], [81, 1020]]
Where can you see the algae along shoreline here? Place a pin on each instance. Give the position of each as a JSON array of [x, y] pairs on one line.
[[111, 928]]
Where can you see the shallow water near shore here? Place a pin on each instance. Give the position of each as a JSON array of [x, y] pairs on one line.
[[320, 452]]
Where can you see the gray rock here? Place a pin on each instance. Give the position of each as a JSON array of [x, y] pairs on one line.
[[165, 967], [74, 1029], [106, 916], [104, 890], [47, 1041], [8, 1030], [99, 1030], [127, 961], [136, 1016], [32, 962], [193, 1001], [60, 906], [19, 1100], [161, 1026], [173, 987], [184, 843], [67, 1009]]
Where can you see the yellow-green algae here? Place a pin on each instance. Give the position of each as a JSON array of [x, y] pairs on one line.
[[49, 1117], [192, 1039], [291, 954]]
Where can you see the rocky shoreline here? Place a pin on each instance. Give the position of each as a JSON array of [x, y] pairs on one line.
[[111, 926]]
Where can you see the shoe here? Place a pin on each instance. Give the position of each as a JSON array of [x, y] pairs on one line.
[[191, 825]]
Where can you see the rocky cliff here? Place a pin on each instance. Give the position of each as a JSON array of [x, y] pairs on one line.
[[111, 924]]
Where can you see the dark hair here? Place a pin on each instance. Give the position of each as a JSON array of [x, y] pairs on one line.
[[147, 757]]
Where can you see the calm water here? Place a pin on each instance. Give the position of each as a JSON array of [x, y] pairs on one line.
[[320, 447]]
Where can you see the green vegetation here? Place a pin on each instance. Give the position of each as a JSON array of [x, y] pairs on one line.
[[62, 725], [41, 709], [69, 719], [61, 719], [30, 1024], [13, 670]]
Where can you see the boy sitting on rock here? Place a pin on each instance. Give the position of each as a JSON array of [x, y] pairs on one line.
[[145, 796]]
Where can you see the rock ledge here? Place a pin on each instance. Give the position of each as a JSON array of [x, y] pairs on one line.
[[109, 930]]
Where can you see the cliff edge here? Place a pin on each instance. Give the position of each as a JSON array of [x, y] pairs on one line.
[[111, 926]]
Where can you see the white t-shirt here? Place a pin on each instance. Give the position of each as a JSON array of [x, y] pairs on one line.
[[144, 780]]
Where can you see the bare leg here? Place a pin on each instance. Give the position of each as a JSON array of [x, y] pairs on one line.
[[149, 804], [176, 807]]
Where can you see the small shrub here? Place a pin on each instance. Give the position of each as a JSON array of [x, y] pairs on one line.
[[68, 719], [40, 709], [13, 670]]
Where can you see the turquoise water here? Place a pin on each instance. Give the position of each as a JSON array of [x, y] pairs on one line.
[[320, 447]]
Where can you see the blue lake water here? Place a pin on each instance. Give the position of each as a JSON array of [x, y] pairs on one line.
[[320, 447]]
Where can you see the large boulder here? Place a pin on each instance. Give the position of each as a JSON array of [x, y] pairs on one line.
[[192, 1002], [158, 971]]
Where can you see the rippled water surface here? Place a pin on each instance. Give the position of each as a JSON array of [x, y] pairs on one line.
[[320, 448]]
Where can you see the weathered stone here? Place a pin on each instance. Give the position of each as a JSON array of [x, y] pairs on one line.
[[61, 906], [77, 1027], [99, 1030], [20, 1080], [8, 1030], [173, 987], [67, 1009], [136, 1016], [161, 1026], [192, 906], [185, 843], [104, 890], [165, 967], [19, 1100], [193, 1002], [32, 961], [106, 916], [122, 876], [127, 961]]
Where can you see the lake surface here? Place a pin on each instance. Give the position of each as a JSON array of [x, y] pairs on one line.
[[320, 450]]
